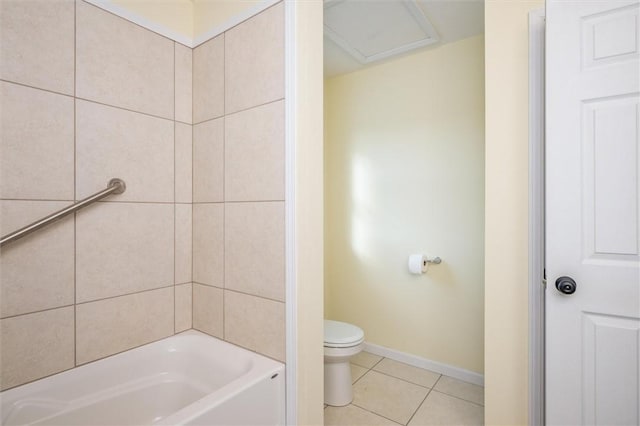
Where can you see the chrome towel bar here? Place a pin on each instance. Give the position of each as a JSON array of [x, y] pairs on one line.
[[115, 186]]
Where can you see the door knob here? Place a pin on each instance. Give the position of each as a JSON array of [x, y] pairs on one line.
[[566, 285]]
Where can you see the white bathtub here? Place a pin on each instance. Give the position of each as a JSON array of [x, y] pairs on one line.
[[187, 379]]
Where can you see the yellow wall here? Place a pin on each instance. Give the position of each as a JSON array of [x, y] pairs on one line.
[[175, 15], [404, 173], [506, 229], [191, 18], [209, 14]]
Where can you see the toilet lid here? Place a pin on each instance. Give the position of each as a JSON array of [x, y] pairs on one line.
[[340, 334]]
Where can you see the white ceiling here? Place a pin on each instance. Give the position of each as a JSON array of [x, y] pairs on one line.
[[452, 19]]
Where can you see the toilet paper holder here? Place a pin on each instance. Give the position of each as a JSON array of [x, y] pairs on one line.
[[435, 260], [419, 263]]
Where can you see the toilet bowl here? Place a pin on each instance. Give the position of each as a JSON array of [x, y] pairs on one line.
[[341, 342]]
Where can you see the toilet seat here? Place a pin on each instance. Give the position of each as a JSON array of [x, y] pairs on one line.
[[341, 335]]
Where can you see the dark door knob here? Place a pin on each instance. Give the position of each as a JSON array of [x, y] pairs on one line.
[[566, 285]]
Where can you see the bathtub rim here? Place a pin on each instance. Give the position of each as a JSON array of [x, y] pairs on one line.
[[261, 368]]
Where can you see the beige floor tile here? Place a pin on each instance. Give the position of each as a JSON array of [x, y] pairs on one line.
[[460, 389], [412, 374], [357, 372], [353, 416], [441, 409], [387, 396], [366, 359]]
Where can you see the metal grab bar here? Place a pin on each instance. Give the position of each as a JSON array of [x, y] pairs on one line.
[[115, 186]]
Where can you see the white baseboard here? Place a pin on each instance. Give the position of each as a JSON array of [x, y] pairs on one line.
[[416, 361]]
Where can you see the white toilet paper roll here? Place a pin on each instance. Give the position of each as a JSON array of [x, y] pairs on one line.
[[416, 263]]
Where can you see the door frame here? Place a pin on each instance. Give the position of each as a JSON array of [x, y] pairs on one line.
[[537, 279]]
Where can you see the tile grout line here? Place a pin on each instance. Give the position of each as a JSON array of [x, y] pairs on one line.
[[93, 101], [17, 83], [39, 311], [225, 115], [459, 398], [374, 413], [424, 399]]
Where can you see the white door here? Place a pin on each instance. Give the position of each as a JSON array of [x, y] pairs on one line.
[[593, 212]]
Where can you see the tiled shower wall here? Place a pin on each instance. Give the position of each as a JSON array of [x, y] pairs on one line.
[[87, 96], [239, 185]]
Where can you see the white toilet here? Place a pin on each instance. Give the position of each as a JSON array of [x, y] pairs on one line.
[[341, 342]]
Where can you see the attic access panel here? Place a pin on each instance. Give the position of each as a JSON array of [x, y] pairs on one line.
[[371, 30]]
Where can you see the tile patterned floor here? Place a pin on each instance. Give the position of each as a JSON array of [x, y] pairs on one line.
[[388, 392]]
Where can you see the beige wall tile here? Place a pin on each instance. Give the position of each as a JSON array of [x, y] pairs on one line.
[[113, 325], [208, 80], [123, 248], [184, 243], [254, 248], [255, 323], [254, 154], [208, 309], [184, 305], [39, 55], [254, 60], [184, 163], [35, 346], [208, 244], [36, 142], [120, 63], [37, 271], [184, 83], [208, 161], [136, 148]]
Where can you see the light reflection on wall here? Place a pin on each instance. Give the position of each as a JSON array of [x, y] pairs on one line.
[[361, 241]]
